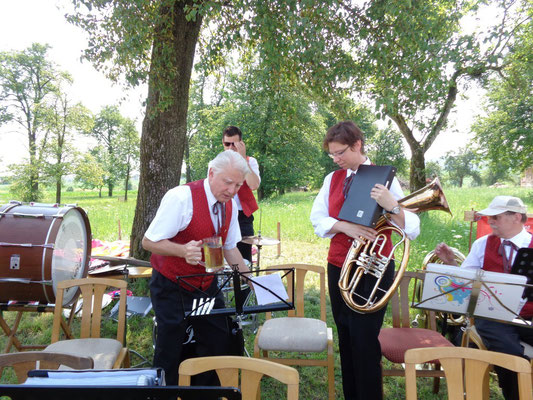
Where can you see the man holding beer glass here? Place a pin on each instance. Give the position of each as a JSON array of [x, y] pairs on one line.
[[187, 215]]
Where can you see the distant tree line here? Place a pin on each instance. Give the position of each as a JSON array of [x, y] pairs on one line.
[[34, 101]]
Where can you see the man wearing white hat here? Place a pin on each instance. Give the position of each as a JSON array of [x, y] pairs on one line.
[[496, 252]]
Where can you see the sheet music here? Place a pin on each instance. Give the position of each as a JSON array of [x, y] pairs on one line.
[[448, 288], [272, 282]]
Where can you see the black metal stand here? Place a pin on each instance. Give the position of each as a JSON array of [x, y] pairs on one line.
[[204, 309]]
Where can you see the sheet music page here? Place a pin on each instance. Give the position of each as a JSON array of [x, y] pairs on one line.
[[272, 282]]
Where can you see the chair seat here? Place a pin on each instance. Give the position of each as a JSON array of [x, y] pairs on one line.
[[396, 341], [293, 334], [103, 351]]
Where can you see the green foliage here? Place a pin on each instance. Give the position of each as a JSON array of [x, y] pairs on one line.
[[505, 134], [386, 148], [21, 187], [89, 172], [119, 145], [460, 164], [28, 81], [279, 126]]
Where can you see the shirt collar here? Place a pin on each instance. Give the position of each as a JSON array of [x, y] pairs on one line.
[[521, 240], [351, 171], [209, 194]]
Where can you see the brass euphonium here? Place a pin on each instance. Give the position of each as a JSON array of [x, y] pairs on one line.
[[369, 258]]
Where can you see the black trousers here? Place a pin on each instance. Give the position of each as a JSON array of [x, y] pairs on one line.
[[211, 333], [359, 346], [247, 229], [505, 338]]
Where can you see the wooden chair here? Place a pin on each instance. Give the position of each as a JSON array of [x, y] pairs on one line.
[[25, 361], [295, 333], [466, 371], [401, 337], [107, 353], [252, 370]]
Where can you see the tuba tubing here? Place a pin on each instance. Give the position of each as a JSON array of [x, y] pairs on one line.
[[365, 258]]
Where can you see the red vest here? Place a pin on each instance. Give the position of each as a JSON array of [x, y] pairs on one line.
[[494, 262], [200, 227], [340, 243], [247, 199]]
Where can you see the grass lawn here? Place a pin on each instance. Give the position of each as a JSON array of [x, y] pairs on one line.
[[111, 217]]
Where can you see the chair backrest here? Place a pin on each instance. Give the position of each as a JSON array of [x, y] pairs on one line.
[[400, 303], [252, 370], [25, 361], [300, 274], [466, 370], [92, 292]]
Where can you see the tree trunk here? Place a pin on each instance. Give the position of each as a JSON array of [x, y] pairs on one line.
[[58, 191], [164, 132], [127, 183], [110, 189], [188, 177], [417, 174]]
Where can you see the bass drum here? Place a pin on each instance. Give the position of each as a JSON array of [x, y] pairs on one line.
[[41, 245]]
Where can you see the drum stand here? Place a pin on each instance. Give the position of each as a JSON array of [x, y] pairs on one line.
[[11, 332]]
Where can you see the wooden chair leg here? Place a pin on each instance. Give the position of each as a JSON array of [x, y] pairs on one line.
[[436, 380]]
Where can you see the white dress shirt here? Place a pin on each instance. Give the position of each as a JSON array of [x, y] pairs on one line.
[[254, 166], [476, 257], [175, 213], [322, 222]]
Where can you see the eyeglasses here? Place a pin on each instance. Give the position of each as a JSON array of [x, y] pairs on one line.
[[338, 154], [228, 144]]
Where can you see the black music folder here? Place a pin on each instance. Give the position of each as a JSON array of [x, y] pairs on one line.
[[358, 206], [523, 265]]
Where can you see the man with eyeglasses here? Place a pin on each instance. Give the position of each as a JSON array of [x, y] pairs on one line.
[[495, 252], [246, 203], [359, 346]]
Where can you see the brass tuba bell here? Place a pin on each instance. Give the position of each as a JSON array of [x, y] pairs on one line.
[[369, 260]]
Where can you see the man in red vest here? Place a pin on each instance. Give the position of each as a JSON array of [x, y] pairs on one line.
[[187, 214], [359, 346], [246, 203], [496, 252]]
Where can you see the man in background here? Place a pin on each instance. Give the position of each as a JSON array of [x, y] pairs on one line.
[[246, 203], [496, 252]]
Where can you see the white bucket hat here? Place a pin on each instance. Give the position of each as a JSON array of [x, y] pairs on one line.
[[502, 204]]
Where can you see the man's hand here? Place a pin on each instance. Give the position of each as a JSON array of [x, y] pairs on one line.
[[193, 252], [240, 148], [445, 253]]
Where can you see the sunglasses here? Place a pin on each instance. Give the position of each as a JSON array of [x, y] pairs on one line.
[[228, 144]]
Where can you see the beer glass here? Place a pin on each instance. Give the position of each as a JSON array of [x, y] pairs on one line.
[[214, 257]]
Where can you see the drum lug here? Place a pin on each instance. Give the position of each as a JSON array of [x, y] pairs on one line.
[[14, 262]]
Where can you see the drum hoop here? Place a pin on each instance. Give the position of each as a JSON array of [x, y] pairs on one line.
[[43, 263]]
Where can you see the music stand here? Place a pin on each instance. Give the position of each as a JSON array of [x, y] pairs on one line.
[[473, 293], [204, 309]]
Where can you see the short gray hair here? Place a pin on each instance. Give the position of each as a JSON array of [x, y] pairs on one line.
[[227, 159]]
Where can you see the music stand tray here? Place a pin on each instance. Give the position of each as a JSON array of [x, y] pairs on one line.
[[26, 392]]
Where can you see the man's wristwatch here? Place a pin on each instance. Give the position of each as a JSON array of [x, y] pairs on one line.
[[395, 210]]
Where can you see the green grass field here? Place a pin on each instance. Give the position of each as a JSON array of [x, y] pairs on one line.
[[110, 217]]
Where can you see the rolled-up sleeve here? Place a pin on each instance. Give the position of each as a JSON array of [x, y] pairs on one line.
[[173, 215]]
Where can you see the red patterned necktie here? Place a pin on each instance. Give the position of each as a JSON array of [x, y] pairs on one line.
[[507, 259]]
